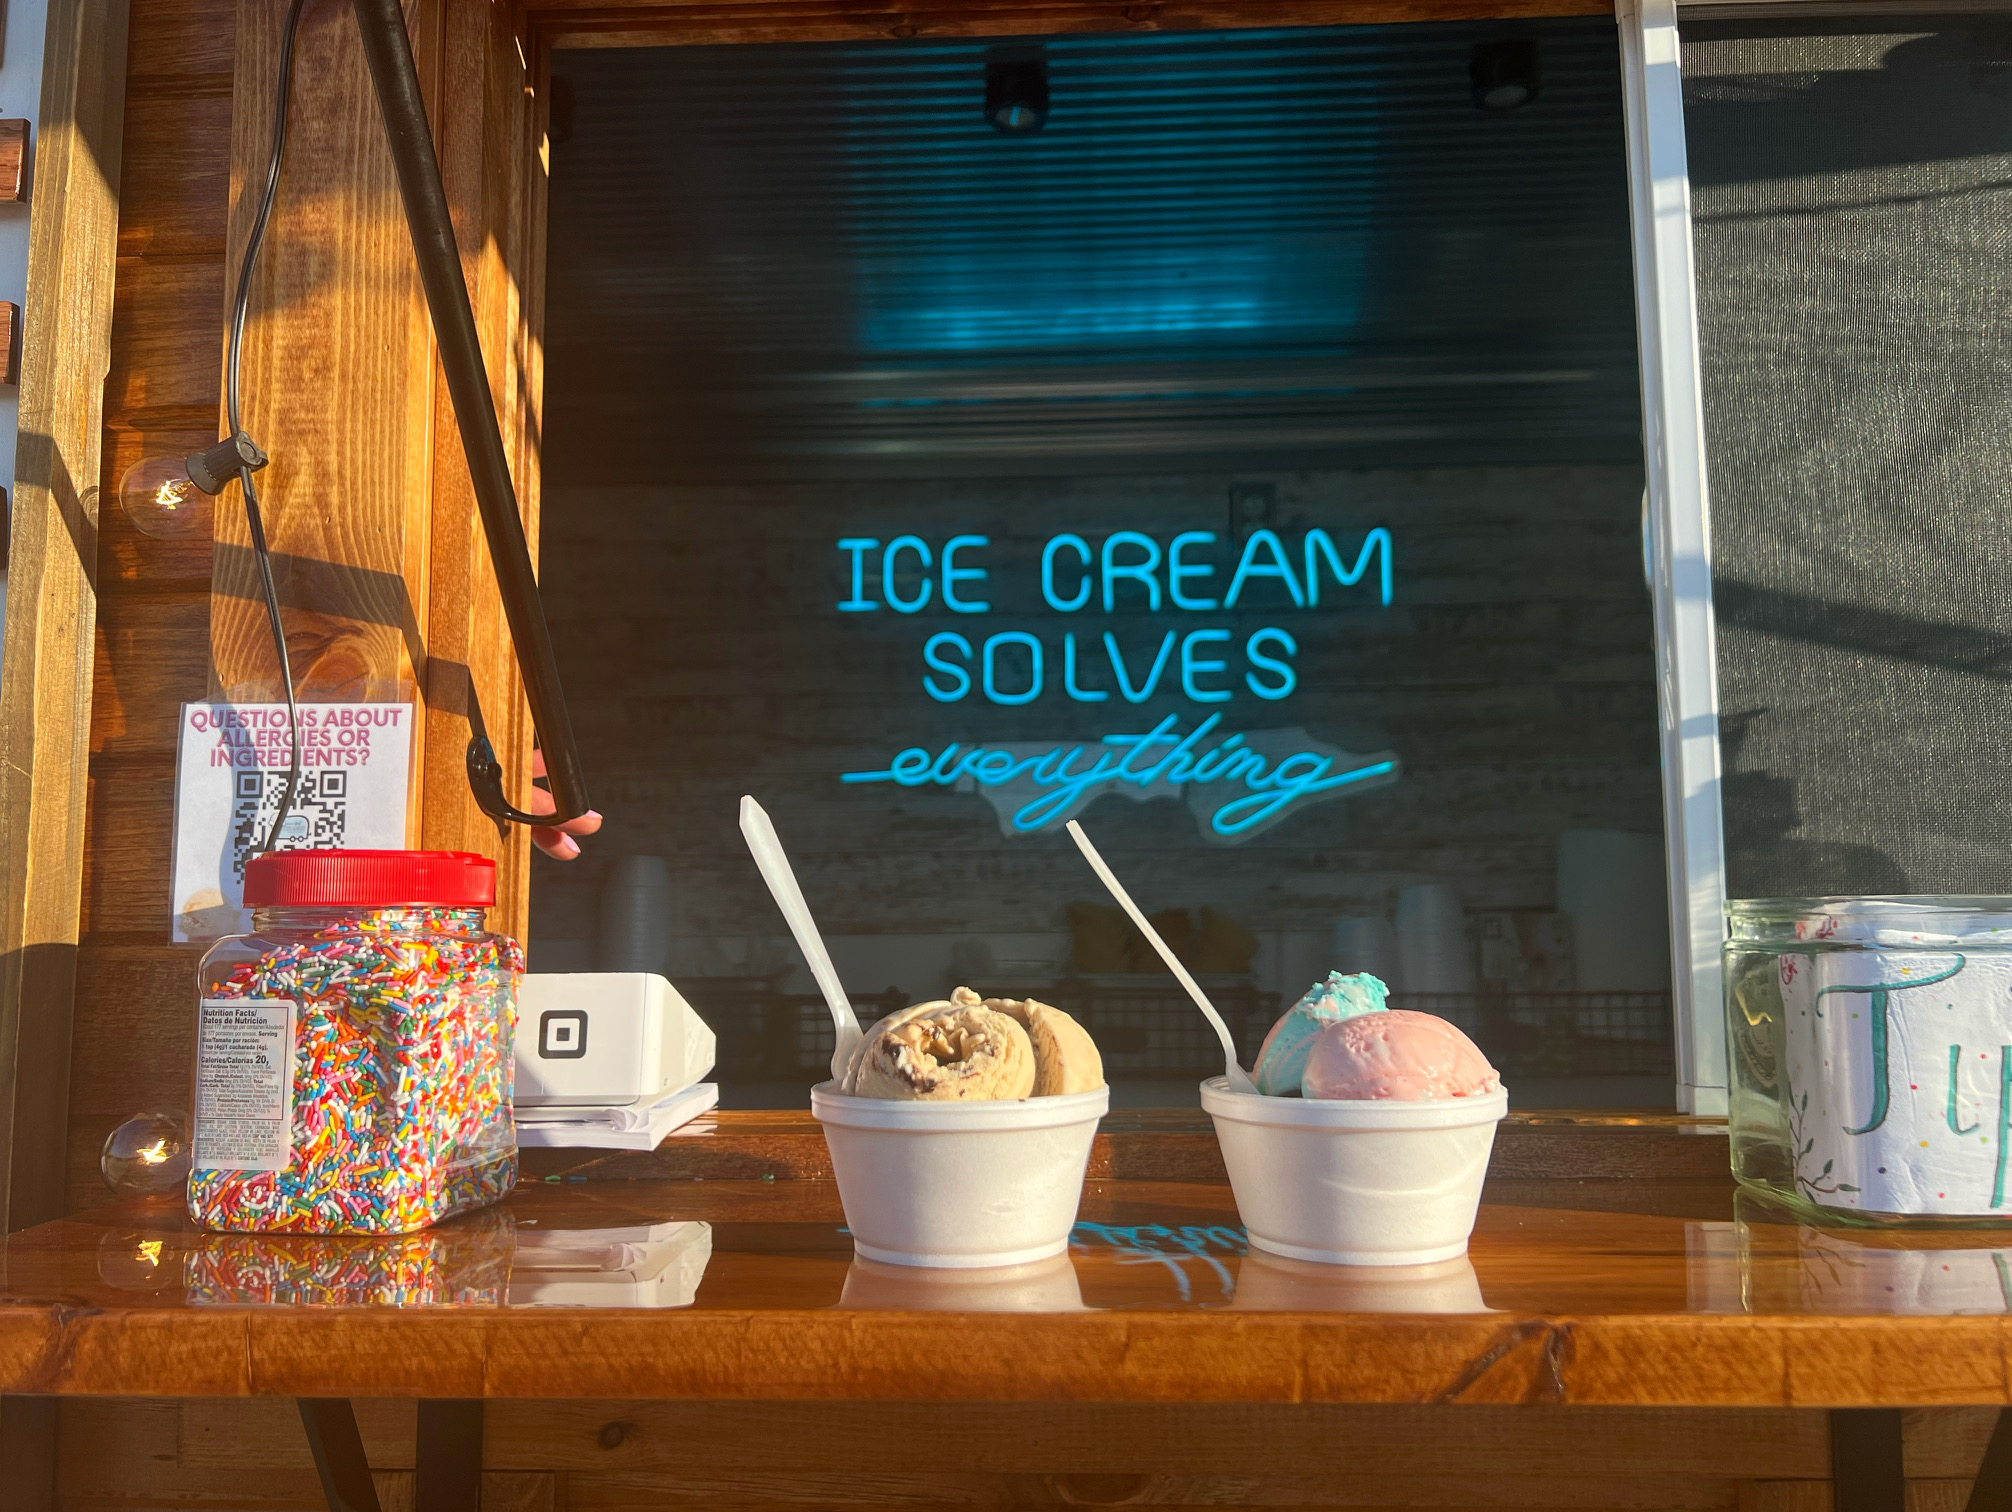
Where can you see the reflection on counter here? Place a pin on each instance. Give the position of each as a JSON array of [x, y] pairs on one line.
[[1768, 1260], [484, 1260], [1193, 1255], [465, 1263], [649, 1265], [1041, 1286], [1273, 1283], [142, 1260]]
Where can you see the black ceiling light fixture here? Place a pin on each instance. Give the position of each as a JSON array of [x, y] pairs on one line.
[[1504, 74], [1016, 90]]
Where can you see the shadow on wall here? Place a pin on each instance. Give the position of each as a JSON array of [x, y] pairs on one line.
[[1764, 856]]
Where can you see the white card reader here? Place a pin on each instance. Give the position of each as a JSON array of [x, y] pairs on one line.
[[605, 1039]]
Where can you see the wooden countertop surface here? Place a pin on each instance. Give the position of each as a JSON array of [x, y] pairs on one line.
[[718, 1268]]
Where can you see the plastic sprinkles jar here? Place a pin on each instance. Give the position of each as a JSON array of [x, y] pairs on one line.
[[353, 1053]]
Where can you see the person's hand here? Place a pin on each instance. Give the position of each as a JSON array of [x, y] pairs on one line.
[[556, 840]]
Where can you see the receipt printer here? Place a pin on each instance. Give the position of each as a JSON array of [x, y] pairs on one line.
[[605, 1039]]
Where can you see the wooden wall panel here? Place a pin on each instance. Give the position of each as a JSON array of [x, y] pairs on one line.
[[581, 1455], [336, 344], [133, 1011], [52, 610], [180, 196], [646, 23]]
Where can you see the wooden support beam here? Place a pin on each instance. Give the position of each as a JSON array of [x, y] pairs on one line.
[[46, 654], [645, 23]]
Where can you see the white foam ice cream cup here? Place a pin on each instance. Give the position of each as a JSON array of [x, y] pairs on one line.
[[964, 1185], [1349, 1182]]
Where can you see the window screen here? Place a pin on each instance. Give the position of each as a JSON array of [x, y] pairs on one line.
[[1852, 190], [1269, 416]]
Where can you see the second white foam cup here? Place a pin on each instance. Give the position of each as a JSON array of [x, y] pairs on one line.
[[959, 1184], [1356, 1182]]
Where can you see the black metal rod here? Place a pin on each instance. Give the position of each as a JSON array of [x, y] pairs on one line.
[[337, 1448], [388, 50], [1866, 1464], [448, 1471], [1992, 1490]]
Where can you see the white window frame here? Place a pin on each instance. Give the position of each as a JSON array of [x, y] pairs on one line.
[[1678, 543]]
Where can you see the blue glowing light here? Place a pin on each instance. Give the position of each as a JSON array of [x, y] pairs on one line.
[[1274, 779], [1131, 558]]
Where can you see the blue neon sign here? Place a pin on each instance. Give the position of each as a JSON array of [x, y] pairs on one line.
[[1039, 785], [1035, 785]]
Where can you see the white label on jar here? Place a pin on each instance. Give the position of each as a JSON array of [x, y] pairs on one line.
[[244, 1084]]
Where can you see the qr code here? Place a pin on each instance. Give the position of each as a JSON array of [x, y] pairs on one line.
[[317, 821]]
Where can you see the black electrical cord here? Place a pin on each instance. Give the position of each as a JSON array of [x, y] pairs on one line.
[[253, 517]]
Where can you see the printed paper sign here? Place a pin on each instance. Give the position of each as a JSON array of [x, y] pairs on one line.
[[1899, 1077], [231, 767], [244, 1084]]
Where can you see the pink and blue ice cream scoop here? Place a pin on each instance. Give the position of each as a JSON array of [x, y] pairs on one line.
[[1282, 1062]]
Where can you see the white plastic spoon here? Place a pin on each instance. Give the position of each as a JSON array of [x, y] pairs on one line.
[[1239, 1079], [775, 871]]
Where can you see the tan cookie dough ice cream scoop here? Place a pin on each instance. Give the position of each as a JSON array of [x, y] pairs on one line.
[[970, 1048], [944, 1052], [1065, 1057]]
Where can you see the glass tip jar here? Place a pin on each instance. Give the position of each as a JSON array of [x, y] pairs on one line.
[[1870, 1042]]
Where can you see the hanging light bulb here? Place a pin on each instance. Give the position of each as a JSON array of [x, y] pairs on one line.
[[169, 497]]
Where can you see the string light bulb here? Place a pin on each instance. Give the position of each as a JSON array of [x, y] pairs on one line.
[[168, 497], [147, 1156]]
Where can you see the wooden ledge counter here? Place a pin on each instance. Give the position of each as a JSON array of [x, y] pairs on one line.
[[1647, 1284]]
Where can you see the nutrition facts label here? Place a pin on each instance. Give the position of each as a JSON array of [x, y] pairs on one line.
[[244, 1084]]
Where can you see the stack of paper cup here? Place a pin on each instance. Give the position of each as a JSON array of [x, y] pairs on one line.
[[1432, 940], [636, 915], [1366, 942]]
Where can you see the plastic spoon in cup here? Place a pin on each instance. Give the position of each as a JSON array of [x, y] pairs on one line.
[[1238, 1078], [768, 855]]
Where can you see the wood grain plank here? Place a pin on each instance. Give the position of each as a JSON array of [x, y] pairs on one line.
[[175, 41], [1086, 1357], [152, 657], [177, 158], [10, 343], [796, 1455], [336, 361], [13, 160], [714, 1442], [136, 1007], [1946, 1442], [45, 667], [643, 23], [166, 358], [125, 876]]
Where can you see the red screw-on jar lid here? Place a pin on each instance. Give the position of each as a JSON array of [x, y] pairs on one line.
[[369, 879]]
